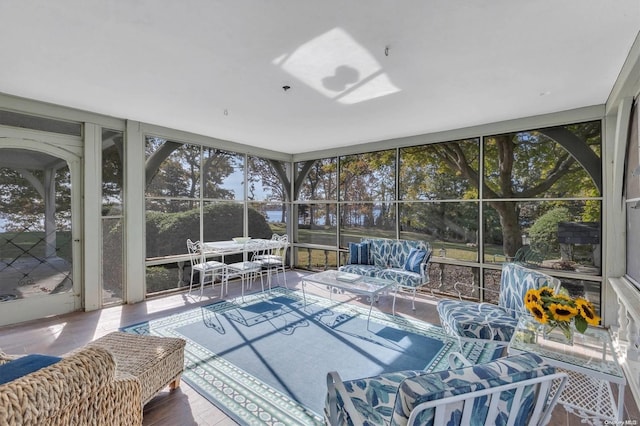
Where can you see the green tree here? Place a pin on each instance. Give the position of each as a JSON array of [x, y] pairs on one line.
[[544, 232]]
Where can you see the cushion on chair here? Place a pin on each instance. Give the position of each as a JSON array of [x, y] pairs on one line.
[[380, 251], [365, 270], [25, 365], [433, 386], [414, 260], [472, 319], [359, 254], [515, 280], [389, 398], [373, 397], [403, 277]]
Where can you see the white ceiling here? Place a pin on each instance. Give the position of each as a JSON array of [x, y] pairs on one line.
[[217, 68]]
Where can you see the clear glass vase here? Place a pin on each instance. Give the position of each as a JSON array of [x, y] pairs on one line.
[[561, 332]]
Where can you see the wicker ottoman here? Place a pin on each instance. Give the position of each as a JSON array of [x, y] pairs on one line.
[[155, 361]]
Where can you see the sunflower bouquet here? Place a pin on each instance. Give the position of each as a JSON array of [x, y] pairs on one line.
[[560, 310]]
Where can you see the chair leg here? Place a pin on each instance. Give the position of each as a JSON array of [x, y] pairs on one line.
[[224, 280], [202, 275], [413, 300], [284, 277], [191, 281]]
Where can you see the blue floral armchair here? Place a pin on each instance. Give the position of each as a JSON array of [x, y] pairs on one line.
[[514, 388], [468, 320]]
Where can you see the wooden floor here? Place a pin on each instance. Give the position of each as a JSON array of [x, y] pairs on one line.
[[184, 406]]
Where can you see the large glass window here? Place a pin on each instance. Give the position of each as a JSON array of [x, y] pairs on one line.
[[561, 162], [202, 193], [441, 171], [558, 235], [316, 210], [223, 174], [172, 169], [366, 182], [439, 183], [112, 217], [632, 196], [533, 196], [268, 189], [368, 177], [451, 228], [360, 220], [317, 180]]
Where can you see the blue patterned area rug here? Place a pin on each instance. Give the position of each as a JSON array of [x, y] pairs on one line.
[[264, 360]]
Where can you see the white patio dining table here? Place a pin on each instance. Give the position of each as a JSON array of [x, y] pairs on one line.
[[223, 248]]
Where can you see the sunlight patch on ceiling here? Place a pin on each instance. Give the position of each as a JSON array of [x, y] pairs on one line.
[[338, 67]]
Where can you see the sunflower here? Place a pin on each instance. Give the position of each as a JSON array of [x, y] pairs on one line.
[[562, 312], [532, 296], [563, 297], [587, 311], [538, 312], [546, 292]]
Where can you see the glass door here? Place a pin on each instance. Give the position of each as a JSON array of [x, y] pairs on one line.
[[38, 241]]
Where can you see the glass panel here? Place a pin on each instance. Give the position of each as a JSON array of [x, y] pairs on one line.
[[558, 235], [112, 173], [443, 277], [112, 261], [590, 290], [440, 171], [632, 195], [223, 221], [368, 177], [223, 176], [317, 224], [275, 215], [168, 225], [173, 169], [319, 179], [633, 236], [543, 163], [632, 177], [492, 280], [366, 220], [112, 227], [316, 259], [166, 277], [35, 225], [268, 180], [451, 228]]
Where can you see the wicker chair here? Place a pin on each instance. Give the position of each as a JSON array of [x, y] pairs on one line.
[[107, 382], [84, 388]]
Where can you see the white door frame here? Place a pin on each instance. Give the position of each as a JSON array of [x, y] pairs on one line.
[[69, 149]]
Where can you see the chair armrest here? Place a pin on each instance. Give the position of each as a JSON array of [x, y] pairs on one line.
[[453, 356], [335, 387]]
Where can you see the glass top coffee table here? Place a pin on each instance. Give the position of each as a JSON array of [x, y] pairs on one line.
[[352, 283], [590, 363]]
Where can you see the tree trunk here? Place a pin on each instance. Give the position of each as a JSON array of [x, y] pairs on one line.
[[511, 236]]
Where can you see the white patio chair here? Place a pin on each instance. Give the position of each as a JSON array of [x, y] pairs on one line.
[[274, 257], [200, 264], [248, 270]]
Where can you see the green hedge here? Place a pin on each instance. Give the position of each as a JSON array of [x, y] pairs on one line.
[[167, 233]]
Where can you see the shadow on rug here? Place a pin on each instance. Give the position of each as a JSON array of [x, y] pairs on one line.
[[265, 360]]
